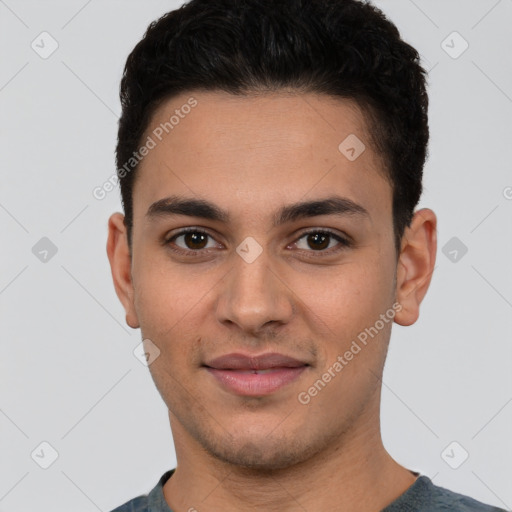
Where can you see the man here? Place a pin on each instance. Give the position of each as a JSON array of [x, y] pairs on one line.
[[270, 158]]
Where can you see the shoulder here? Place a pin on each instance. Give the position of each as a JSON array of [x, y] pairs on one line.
[[152, 502], [444, 499], [425, 496], [138, 504]]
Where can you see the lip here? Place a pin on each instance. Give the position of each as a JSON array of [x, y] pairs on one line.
[[250, 375]]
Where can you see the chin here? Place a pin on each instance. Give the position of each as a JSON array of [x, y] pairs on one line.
[[265, 454]]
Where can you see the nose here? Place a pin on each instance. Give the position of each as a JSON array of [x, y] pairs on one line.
[[254, 296]]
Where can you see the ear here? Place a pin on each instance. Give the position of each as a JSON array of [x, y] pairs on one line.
[[120, 265], [415, 265]]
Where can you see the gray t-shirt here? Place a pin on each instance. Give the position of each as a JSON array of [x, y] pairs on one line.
[[421, 496]]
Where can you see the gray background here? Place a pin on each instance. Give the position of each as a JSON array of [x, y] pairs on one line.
[[68, 375]]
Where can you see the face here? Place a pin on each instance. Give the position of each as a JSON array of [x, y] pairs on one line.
[[288, 254]]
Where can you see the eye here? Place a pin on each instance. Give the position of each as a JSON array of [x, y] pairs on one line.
[[321, 241], [191, 240], [194, 241]]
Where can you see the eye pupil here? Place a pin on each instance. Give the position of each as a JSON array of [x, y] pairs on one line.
[[318, 237], [194, 238]]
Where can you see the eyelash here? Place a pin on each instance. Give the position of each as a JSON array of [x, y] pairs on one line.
[[343, 242]]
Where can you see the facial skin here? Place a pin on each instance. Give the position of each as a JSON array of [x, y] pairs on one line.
[[251, 156]]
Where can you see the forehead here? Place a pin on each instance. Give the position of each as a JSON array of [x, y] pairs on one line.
[[259, 149]]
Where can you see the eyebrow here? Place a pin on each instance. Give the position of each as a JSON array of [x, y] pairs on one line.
[[333, 205]]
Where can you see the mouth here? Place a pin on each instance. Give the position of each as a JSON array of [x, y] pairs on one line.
[[255, 375]]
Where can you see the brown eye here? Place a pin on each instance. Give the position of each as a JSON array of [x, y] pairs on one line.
[[318, 241], [191, 240], [195, 240]]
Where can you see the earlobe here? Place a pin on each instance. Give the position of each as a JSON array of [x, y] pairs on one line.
[[120, 266], [416, 265]]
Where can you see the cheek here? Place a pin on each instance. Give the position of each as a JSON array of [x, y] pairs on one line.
[[166, 295], [352, 298], [171, 306]]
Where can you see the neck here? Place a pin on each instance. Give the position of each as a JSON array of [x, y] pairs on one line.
[[353, 473]]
